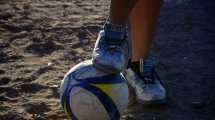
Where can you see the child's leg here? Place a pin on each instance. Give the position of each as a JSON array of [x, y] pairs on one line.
[[143, 19], [142, 75], [119, 11]]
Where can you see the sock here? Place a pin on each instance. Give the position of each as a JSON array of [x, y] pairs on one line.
[[137, 67]]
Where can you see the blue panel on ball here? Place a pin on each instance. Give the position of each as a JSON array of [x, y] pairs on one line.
[[65, 102], [107, 79], [106, 101]]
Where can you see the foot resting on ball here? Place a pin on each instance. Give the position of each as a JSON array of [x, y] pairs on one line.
[[111, 49]]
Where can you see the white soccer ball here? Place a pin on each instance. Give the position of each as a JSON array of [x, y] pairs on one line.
[[87, 93]]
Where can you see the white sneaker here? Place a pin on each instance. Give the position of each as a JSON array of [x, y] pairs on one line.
[[111, 52], [147, 87]]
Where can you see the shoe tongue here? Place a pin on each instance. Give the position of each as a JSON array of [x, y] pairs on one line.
[[113, 31], [148, 70], [148, 64], [114, 37]]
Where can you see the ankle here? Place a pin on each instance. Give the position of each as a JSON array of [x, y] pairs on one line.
[[137, 67]]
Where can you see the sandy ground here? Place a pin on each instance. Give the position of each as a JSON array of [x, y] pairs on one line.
[[30, 73]]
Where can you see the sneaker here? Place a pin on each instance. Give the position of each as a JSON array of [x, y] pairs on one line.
[[147, 87], [111, 52]]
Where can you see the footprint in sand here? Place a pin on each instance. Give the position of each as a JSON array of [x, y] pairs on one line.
[[8, 93], [40, 48], [4, 80], [2, 72], [30, 87], [10, 115], [9, 56], [36, 107]]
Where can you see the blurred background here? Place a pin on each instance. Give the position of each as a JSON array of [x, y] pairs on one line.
[[40, 40]]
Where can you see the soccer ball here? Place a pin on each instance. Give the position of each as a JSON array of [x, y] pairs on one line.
[[87, 93]]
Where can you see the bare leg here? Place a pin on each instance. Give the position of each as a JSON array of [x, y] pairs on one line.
[[143, 19], [120, 10]]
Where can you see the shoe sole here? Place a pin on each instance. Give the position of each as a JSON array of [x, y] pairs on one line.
[[135, 99], [153, 102]]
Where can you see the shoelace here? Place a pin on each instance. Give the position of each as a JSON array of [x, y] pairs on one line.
[[149, 72], [113, 44], [116, 35], [149, 76]]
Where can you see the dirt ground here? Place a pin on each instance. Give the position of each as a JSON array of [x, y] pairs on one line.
[[40, 40]]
